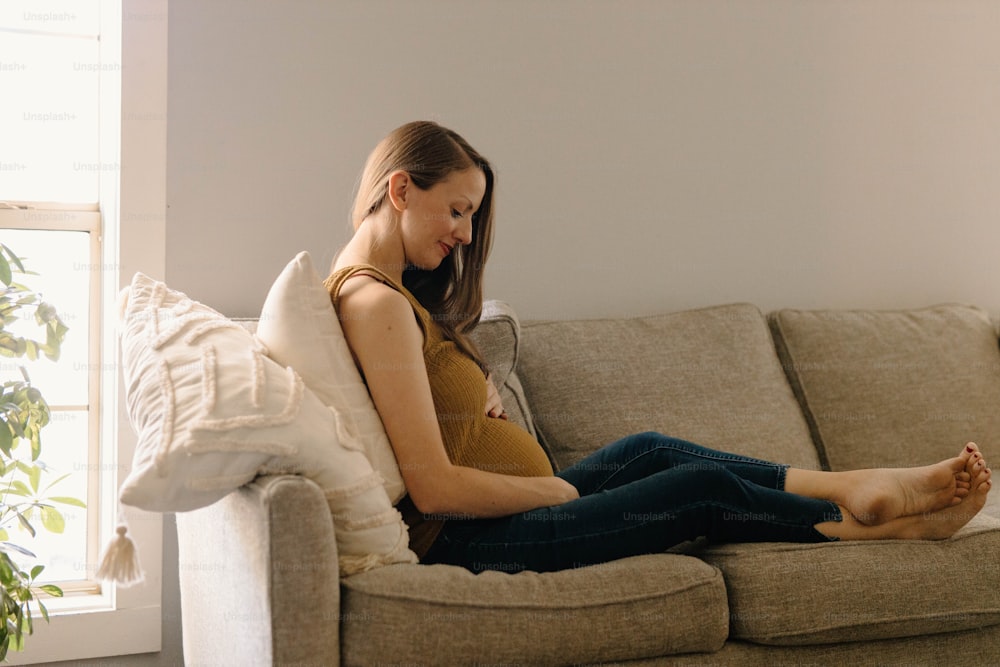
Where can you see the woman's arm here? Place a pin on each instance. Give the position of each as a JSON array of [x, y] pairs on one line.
[[386, 339]]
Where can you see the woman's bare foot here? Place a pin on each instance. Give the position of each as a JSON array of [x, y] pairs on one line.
[[936, 525], [880, 495], [885, 494]]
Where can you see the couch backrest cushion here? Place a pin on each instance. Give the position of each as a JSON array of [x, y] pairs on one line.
[[498, 337], [710, 376], [893, 388]]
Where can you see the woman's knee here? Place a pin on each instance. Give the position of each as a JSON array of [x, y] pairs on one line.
[[706, 481], [647, 440], [650, 441]]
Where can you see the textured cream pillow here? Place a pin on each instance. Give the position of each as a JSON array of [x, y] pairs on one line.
[[212, 411], [300, 329]]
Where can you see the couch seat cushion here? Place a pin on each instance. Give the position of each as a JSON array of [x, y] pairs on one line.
[[799, 594], [710, 376], [894, 388], [443, 615]]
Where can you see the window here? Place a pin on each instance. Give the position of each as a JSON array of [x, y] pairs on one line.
[[70, 279], [50, 129], [71, 117]]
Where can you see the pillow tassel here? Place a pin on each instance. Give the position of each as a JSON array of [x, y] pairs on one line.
[[120, 562]]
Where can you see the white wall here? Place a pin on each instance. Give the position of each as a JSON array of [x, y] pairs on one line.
[[652, 155]]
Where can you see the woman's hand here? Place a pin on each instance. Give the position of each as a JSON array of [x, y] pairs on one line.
[[564, 490], [494, 408]]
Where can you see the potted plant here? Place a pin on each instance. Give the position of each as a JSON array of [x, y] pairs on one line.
[[24, 499]]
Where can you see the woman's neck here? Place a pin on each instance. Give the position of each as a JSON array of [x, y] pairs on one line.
[[375, 243]]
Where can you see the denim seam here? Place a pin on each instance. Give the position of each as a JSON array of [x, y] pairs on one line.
[[782, 469], [782, 474]]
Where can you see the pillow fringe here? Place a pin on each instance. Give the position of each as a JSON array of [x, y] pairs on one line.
[[208, 391], [272, 448], [288, 413], [167, 431], [120, 562], [159, 338], [259, 379], [381, 519], [400, 554], [369, 481], [206, 327]]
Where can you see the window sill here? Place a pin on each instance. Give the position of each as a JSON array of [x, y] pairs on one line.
[[135, 630]]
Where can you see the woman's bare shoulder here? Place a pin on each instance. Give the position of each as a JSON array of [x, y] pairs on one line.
[[366, 298], [369, 310]]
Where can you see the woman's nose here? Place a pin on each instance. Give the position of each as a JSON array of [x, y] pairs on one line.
[[463, 231]]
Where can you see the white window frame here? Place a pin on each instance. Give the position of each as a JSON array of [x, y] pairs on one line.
[[124, 621], [60, 217]]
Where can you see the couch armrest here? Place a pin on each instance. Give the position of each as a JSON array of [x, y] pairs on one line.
[[259, 577]]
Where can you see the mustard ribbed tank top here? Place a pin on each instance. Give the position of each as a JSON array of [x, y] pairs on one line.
[[458, 388]]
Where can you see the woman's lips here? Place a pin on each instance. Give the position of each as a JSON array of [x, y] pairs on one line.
[[445, 248]]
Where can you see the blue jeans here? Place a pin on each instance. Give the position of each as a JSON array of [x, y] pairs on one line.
[[642, 494]]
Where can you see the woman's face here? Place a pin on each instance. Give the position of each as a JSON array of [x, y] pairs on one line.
[[436, 220]]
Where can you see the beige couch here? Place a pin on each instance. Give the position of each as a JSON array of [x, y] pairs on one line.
[[835, 389]]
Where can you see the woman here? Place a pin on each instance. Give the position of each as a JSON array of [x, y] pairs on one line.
[[481, 492]]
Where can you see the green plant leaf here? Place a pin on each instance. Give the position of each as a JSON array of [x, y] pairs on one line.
[[45, 612], [18, 488], [37, 570], [14, 258], [25, 523], [34, 474], [52, 519], [68, 501], [52, 590], [5, 273], [15, 425], [36, 444], [8, 547], [15, 630], [6, 439], [6, 570], [45, 312], [55, 481]]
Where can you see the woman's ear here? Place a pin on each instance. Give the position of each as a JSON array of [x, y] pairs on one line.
[[399, 185]]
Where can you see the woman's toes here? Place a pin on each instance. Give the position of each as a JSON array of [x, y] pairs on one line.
[[984, 486], [967, 452]]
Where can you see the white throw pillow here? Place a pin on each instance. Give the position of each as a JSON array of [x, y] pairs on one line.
[[300, 329], [212, 411]]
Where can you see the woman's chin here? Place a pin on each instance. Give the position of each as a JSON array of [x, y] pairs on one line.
[[426, 265]]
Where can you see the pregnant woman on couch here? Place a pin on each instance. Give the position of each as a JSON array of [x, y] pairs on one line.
[[481, 491]]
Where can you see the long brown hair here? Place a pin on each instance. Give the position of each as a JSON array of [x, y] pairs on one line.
[[453, 292]]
